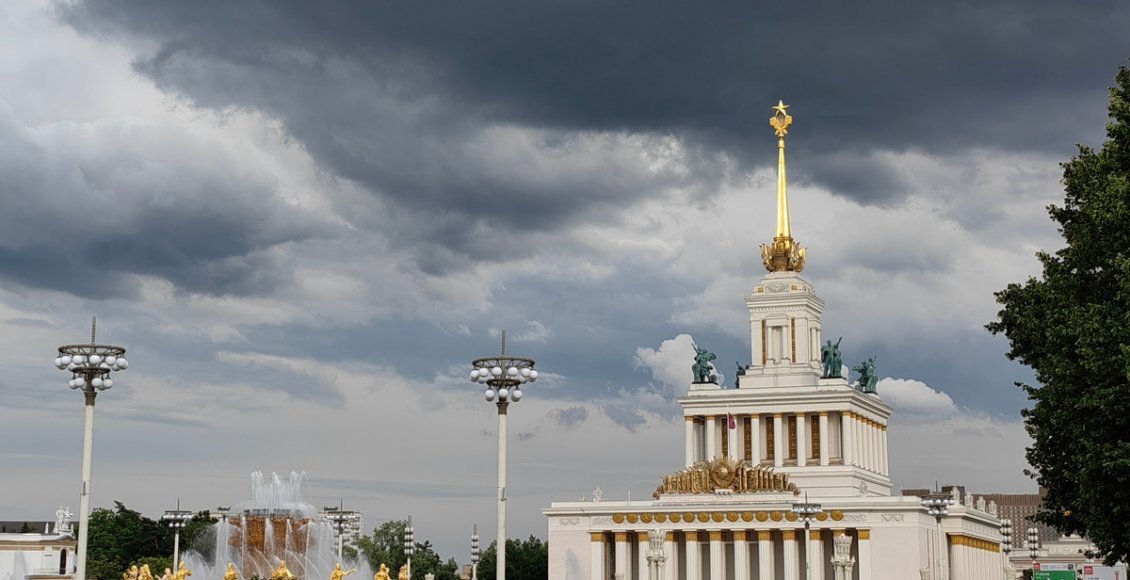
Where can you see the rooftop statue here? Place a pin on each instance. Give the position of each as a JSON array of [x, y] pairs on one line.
[[867, 378], [701, 366], [382, 573], [831, 359], [740, 373]]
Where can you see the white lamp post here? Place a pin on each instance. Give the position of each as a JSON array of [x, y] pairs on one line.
[[475, 553], [937, 505], [807, 513], [1033, 543], [90, 366], [504, 376], [176, 519], [409, 545], [1006, 547]]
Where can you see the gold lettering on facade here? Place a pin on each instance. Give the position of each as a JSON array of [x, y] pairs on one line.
[[792, 437], [747, 423], [814, 421], [792, 337], [722, 473]]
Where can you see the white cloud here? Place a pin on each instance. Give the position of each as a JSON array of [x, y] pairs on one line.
[[670, 364], [915, 400]]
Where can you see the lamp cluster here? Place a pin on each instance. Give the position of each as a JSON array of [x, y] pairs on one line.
[[937, 504], [1006, 536], [807, 512], [176, 519], [475, 552], [504, 377], [1033, 542], [409, 539], [91, 364]]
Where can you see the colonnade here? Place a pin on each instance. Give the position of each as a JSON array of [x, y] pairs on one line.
[[755, 554], [789, 439]]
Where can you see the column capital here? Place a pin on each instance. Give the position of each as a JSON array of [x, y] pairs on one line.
[[823, 413], [815, 534], [715, 535], [597, 536], [689, 418], [739, 535], [863, 533], [788, 535], [641, 536], [778, 415], [670, 536], [621, 536], [764, 535], [691, 536]]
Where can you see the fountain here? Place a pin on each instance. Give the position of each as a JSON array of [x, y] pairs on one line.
[[274, 525]]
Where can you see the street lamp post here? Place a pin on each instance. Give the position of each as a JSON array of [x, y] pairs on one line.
[[90, 366], [1006, 547], [937, 505], [409, 545], [1033, 543], [475, 553], [504, 376], [338, 516], [176, 519], [807, 513]]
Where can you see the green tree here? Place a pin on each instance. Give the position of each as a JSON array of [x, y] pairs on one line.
[[525, 560], [120, 537], [1072, 326], [385, 545]]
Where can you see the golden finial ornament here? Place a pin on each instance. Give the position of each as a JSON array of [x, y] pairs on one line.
[[783, 255]]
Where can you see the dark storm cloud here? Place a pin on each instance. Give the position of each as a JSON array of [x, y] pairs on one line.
[[394, 94], [89, 209]]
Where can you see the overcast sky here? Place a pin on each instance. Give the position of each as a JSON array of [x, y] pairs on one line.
[[304, 220]]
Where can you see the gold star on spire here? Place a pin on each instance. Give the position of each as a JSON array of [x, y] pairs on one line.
[[783, 254]]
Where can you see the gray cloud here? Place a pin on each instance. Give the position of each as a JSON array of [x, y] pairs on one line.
[[570, 417]]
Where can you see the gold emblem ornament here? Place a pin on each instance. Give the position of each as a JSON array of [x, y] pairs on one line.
[[790, 516], [723, 473], [776, 516], [747, 516], [645, 518], [717, 517], [617, 518], [732, 516], [837, 515], [633, 518], [703, 517], [762, 516]]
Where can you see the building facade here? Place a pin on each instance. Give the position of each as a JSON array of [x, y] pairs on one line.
[[46, 555], [793, 432]]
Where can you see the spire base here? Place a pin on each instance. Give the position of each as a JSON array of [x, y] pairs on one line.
[[783, 255]]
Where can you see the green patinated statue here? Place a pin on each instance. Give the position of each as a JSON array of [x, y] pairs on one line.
[[701, 366], [832, 361], [867, 377], [740, 373]]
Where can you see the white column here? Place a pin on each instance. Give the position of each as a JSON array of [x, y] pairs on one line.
[[884, 467], [689, 427], [860, 441], [790, 556], [816, 551], [778, 441], [641, 558], [694, 567], [711, 434], [959, 563], [623, 555], [671, 567], [764, 555], [801, 440], [755, 439], [596, 556], [864, 547], [741, 556], [84, 493], [823, 438], [846, 438], [717, 555]]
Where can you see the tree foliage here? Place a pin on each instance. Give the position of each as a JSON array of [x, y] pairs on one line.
[[386, 545], [122, 537], [524, 559], [1072, 326]]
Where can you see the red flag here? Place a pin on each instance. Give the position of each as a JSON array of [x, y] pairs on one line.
[[730, 421]]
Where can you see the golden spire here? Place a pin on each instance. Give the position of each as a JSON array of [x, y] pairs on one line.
[[783, 255]]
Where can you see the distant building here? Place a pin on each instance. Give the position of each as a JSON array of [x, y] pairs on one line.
[[346, 523], [44, 553]]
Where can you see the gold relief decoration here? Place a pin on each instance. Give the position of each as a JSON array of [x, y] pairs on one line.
[[621, 536], [617, 518], [660, 517], [837, 515], [788, 535], [670, 536], [764, 535], [790, 516], [762, 516], [691, 536], [633, 518], [703, 517], [975, 543], [822, 516], [688, 517], [863, 534], [596, 536], [814, 535], [717, 517], [715, 535], [736, 476], [776, 516], [676, 517], [642, 536], [739, 535], [645, 518], [747, 516], [731, 516]]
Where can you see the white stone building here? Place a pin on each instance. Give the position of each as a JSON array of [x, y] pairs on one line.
[[39, 556], [784, 436]]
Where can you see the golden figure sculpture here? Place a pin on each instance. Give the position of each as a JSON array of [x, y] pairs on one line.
[[168, 575], [130, 574], [381, 574], [231, 573], [144, 573], [182, 572], [403, 573], [338, 573], [724, 473], [281, 572]]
